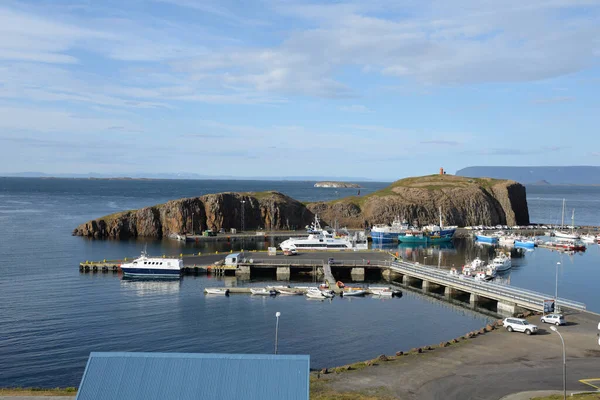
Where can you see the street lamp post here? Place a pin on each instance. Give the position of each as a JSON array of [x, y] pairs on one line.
[[277, 314], [556, 289], [564, 363]]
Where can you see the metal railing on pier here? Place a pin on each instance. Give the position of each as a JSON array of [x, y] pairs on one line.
[[486, 289]]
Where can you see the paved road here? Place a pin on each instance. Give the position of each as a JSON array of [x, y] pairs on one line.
[[338, 256], [488, 367]]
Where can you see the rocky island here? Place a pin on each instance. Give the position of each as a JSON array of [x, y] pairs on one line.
[[329, 184], [464, 201]]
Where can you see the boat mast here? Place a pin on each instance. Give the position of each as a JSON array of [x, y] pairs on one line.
[[573, 221], [562, 224], [441, 225]]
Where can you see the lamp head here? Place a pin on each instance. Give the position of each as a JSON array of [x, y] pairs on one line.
[[554, 328], [277, 314], [558, 263]]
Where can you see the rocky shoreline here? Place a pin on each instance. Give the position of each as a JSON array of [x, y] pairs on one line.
[[337, 185], [463, 201]]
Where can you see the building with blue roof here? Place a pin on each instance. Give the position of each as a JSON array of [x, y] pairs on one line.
[[187, 376]]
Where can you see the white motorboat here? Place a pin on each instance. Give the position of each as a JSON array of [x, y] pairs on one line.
[[477, 263], [263, 292], [217, 291], [155, 267], [353, 292], [381, 291], [316, 293], [289, 291], [326, 240], [501, 263], [588, 238]]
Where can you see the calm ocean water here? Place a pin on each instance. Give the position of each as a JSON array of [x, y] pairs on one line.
[[52, 316]]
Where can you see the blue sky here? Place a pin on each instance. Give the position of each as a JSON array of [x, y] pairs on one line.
[[378, 89]]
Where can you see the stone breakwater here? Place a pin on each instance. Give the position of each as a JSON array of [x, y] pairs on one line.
[[463, 201]]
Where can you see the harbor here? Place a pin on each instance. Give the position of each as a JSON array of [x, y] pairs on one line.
[[47, 293], [333, 267]]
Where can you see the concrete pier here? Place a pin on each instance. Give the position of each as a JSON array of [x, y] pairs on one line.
[[283, 273], [358, 274]]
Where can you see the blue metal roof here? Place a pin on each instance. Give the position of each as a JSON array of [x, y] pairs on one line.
[[186, 376]]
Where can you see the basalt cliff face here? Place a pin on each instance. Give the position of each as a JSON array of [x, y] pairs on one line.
[[464, 201], [267, 210]]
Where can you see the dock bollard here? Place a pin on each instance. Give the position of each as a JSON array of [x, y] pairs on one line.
[[180, 255]]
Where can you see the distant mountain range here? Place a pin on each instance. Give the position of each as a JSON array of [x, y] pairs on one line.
[[572, 175], [183, 175]]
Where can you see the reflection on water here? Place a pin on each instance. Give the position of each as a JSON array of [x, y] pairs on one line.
[[145, 287]]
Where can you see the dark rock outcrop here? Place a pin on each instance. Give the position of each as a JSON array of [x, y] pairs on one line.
[[464, 201], [267, 210]]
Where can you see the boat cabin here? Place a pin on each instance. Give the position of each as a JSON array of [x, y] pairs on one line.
[[233, 259]]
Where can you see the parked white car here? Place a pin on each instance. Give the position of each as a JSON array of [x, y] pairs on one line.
[[519, 325], [555, 319]]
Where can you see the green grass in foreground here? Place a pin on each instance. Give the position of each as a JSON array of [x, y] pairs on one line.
[[70, 391], [588, 396], [320, 391]]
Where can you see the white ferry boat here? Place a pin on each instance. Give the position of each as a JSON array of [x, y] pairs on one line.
[[153, 267], [326, 240]]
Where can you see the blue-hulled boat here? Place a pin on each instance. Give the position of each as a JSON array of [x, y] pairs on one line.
[[387, 233], [155, 267], [486, 238], [525, 243]]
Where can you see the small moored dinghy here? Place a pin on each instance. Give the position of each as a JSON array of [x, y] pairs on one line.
[[353, 292], [263, 292], [217, 291]]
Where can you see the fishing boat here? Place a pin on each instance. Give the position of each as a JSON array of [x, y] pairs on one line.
[[429, 234], [525, 243], [263, 292], [387, 233], [483, 238], [155, 267], [567, 245], [326, 240], [501, 262], [353, 292], [217, 291], [562, 234]]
